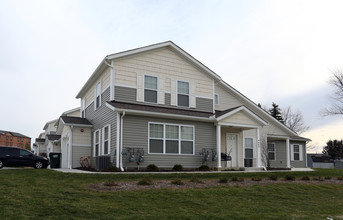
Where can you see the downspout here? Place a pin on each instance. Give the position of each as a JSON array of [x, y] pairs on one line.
[[121, 142]]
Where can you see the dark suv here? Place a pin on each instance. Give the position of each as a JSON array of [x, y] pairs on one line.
[[17, 157]]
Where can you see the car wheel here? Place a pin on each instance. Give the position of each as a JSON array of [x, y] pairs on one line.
[[1, 164], [38, 165]]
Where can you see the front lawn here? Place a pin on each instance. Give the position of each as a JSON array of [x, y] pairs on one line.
[[38, 194]]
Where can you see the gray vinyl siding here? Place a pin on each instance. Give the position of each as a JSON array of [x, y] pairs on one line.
[[280, 155], [78, 152], [135, 134], [303, 162], [102, 117], [126, 94]]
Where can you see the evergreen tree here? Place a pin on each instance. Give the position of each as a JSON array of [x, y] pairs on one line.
[[334, 149], [275, 111]]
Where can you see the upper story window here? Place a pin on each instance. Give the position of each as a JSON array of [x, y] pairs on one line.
[[216, 99], [183, 93], [150, 89], [98, 95], [83, 106]]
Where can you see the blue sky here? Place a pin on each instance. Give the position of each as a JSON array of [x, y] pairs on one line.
[[271, 51]]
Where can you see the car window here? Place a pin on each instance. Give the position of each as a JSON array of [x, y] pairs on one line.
[[24, 153], [12, 152]]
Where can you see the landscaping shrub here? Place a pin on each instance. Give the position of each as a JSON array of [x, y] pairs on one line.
[[256, 178], [223, 180], [152, 168], [110, 183], [204, 168], [177, 167], [237, 179], [273, 177], [306, 178], [111, 169], [145, 181], [196, 180], [290, 177], [318, 178], [328, 177], [340, 178], [177, 181]]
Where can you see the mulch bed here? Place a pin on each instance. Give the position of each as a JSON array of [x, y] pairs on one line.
[[187, 184]]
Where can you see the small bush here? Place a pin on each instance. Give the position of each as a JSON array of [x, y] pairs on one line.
[[145, 181], [273, 177], [318, 178], [340, 178], [328, 177], [177, 167], [290, 177], [111, 169], [196, 180], [306, 178], [204, 168], [110, 183], [223, 180], [177, 182], [237, 179], [152, 168], [256, 178]]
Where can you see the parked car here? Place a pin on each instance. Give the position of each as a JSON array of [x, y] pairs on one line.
[[17, 157]]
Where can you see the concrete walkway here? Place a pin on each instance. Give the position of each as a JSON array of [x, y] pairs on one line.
[[251, 171]]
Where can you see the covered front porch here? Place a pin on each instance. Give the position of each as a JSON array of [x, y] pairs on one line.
[[238, 139]]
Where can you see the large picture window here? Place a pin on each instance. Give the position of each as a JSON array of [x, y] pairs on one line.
[[171, 139], [183, 93], [150, 89]]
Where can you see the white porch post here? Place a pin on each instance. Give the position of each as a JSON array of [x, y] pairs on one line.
[[287, 152], [219, 162], [70, 164], [258, 147]]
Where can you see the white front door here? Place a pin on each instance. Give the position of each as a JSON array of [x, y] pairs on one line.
[[231, 148]]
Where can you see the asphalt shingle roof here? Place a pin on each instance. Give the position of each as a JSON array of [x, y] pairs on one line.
[[13, 133], [53, 137], [75, 120]]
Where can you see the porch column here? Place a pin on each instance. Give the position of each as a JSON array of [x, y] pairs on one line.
[[258, 147], [219, 160], [287, 153]]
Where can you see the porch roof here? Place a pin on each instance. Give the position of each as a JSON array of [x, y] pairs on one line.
[[53, 137]]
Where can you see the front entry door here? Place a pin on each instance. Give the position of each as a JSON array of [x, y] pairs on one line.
[[231, 147]]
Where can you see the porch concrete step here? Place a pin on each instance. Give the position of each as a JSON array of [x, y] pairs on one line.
[[254, 169]]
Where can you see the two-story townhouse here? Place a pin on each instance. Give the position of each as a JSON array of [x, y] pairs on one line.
[[160, 102]]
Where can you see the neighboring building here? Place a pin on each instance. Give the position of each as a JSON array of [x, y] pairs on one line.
[[159, 105], [14, 139], [320, 161]]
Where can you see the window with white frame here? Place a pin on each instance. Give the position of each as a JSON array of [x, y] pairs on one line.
[[183, 93], [171, 139], [216, 99], [296, 152], [150, 89], [248, 152], [98, 95], [96, 142], [106, 140], [271, 151], [83, 106]]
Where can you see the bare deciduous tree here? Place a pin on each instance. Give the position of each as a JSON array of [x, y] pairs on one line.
[[294, 120], [336, 82], [264, 152]]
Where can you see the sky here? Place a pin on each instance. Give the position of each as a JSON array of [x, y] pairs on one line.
[[271, 51]]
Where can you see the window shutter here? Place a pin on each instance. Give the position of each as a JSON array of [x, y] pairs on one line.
[[173, 92], [292, 152], [300, 152], [139, 97], [160, 91], [192, 98]]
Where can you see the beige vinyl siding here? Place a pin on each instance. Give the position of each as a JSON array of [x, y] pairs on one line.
[[162, 63], [105, 79], [82, 138], [78, 152], [226, 99], [74, 114], [240, 118]]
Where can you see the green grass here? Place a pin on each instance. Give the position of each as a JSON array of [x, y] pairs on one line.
[[38, 194]]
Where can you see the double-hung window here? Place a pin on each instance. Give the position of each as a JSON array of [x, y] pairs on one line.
[[98, 95], [150, 89], [96, 142], [249, 152], [296, 152], [106, 140], [171, 139], [271, 151], [216, 99], [183, 93]]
